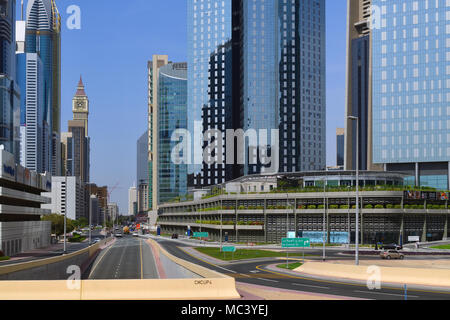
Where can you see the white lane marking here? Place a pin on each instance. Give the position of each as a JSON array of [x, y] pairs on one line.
[[308, 285], [245, 275], [267, 280], [388, 294], [254, 271]]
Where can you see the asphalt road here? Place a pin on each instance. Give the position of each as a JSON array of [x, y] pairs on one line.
[[127, 258], [71, 247], [255, 272]]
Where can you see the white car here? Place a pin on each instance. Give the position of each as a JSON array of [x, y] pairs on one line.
[[135, 234], [118, 235]]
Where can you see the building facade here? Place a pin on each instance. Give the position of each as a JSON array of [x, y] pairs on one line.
[[259, 209], [411, 90], [153, 119], [340, 147], [172, 115], [142, 174], [43, 30], [132, 201], [257, 67], [67, 197], [21, 228]]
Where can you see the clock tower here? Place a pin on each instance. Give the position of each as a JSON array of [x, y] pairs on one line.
[[80, 106]]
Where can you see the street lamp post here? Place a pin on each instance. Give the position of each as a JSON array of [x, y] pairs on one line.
[[357, 189], [348, 217], [65, 214], [324, 217]]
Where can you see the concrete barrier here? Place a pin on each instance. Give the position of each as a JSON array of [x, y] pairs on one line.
[[53, 268], [201, 271], [152, 289], [409, 276]]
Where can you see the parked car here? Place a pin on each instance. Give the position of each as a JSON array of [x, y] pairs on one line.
[[391, 254], [391, 246], [175, 236]]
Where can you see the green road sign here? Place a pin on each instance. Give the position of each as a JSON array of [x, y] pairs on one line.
[[201, 234], [295, 243], [229, 249]]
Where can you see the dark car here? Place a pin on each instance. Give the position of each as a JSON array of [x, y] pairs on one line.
[[391, 246], [175, 236]]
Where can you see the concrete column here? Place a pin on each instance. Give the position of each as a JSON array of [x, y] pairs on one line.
[[417, 176], [448, 176], [295, 217], [236, 222], [362, 227], [424, 231], [265, 220], [402, 230]]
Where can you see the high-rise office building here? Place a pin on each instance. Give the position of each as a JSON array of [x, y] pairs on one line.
[[153, 82], [411, 90], [132, 200], [9, 89], [43, 29], [209, 30], [142, 173], [172, 115], [81, 149], [273, 54], [359, 85], [340, 143]]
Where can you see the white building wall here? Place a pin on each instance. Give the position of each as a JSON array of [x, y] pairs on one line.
[[22, 236]]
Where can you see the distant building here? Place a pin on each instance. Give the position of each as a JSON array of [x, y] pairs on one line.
[[172, 115], [340, 143], [67, 198], [113, 211], [132, 201], [153, 119], [142, 174]]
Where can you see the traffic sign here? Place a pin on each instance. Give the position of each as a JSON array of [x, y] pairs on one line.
[[295, 243], [201, 235], [229, 249]]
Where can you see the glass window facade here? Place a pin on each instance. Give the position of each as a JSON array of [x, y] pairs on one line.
[[411, 55], [209, 29], [172, 111]]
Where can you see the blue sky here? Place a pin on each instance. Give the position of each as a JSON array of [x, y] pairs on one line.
[[111, 51]]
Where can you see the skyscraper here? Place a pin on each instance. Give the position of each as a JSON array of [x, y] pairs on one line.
[[359, 85], [283, 72], [262, 65], [9, 90], [340, 142], [142, 173], [209, 30], [43, 28], [411, 90], [153, 82], [172, 115]]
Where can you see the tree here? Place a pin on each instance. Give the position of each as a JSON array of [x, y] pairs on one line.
[[57, 221]]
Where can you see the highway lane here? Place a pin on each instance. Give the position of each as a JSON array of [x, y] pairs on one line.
[[127, 258], [43, 254], [255, 272]]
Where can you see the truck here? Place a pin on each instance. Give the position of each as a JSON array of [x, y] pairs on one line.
[[126, 230]]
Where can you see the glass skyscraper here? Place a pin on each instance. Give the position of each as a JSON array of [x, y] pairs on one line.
[[43, 37], [9, 90], [277, 75], [172, 115], [209, 30], [283, 69], [411, 96]]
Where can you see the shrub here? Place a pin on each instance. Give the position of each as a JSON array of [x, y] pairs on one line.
[[379, 206], [312, 206], [320, 206], [397, 206], [334, 206], [345, 206], [389, 206], [368, 206]]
